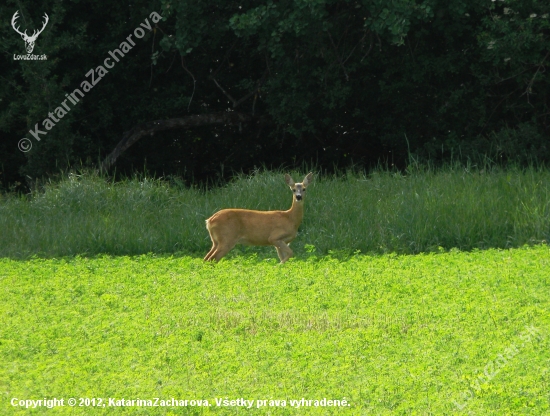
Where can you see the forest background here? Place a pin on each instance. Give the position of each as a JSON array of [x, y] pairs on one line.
[[222, 86]]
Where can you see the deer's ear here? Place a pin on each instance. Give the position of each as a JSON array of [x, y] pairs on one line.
[[308, 179], [289, 181]]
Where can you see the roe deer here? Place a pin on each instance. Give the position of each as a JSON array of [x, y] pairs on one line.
[[229, 227]]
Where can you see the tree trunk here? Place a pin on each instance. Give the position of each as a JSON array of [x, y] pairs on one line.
[[151, 127]]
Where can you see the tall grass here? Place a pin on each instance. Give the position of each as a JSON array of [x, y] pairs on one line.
[[426, 210]]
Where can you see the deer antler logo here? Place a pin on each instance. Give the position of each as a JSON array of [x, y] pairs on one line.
[[29, 40]]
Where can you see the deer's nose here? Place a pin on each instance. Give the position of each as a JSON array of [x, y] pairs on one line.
[[298, 197]]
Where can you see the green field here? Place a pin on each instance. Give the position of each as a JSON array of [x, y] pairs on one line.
[[390, 334], [421, 293]]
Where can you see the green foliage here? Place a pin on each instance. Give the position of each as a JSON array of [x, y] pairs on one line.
[[391, 334], [350, 79], [383, 212], [514, 50], [337, 82]]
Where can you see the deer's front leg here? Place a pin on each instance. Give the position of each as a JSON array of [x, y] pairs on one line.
[[283, 250]]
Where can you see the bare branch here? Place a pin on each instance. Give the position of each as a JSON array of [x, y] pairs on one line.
[[225, 92], [338, 57], [267, 63], [255, 90], [353, 49], [171, 63], [235, 102], [254, 103], [530, 85], [370, 48], [152, 52], [194, 82], [411, 51], [225, 57], [495, 109]]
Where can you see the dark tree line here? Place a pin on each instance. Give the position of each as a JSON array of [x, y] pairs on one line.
[[226, 86]]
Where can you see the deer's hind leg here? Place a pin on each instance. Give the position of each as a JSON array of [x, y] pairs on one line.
[[221, 251], [212, 250], [208, 256], [221, 245]]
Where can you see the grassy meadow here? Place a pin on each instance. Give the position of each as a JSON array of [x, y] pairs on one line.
[[418, 294], [382, 212]]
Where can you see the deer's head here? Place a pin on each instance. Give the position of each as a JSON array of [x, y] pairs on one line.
[[299, 189]]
